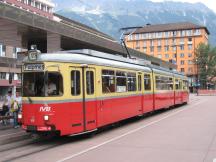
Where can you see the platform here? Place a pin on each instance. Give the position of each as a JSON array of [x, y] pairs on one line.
[[183, 134]]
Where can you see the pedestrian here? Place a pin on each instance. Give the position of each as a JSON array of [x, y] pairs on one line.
[[9, 99], [15, 108], [5, 111]]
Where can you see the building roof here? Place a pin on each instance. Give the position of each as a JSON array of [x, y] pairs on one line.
[[168, 27]]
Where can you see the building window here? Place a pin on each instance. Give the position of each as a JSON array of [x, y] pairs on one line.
[[189, 46], [166, 55], [159, 56], [190, 69], [37, 5], [182, 55], [166, 48], [181, 47], [182, 33], [174, 48], [145, 36], [136, 36], [174, 33], [197, 32], [151, 49], [2, 50], [181, 40], [174, 41], [15, 51], [151, 43], [153, 35], [189, 39], [130, 37], [144, 49], [190, 62], [182, 62], [159, 35], [166, 42], [166, 34], [159, 48], [159, 42], [2, 75], [144, 44], [182, 70], [137, 45], [189, 54], [189, 32], [174, 55]]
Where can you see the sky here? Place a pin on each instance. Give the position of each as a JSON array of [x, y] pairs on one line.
[[209, 3]]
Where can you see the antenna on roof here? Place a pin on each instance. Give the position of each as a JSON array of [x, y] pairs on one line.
[[122, 37]]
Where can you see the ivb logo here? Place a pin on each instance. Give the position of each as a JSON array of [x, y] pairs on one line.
[[45, 108]]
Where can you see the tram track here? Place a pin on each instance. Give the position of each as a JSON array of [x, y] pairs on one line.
[[28, 147]]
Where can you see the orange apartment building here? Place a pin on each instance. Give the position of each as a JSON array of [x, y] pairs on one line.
[[175, 42]]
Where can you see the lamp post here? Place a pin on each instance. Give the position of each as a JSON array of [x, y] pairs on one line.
[[197, 76]]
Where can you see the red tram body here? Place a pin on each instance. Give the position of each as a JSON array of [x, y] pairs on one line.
[[92, 90]]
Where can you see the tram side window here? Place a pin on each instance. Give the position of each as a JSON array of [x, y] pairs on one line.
[[108, 81], [170, 84], [54, 86], [185, 85], [33, 84], [90, 82], [75, 82], [131, 81], [178, 84], [163, 83], [121, 85], [147, 82]]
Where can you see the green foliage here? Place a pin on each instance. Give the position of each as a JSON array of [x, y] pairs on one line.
[[206, 64]]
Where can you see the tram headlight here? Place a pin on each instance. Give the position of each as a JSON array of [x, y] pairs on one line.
[[46, 117], [19, 116]]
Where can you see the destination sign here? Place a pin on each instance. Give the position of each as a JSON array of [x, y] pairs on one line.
[[34, 67]]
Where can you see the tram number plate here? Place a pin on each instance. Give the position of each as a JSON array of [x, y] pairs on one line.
[[34, 67], [31, 128]]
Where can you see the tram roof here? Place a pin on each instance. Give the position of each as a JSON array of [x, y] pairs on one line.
[[92, 57]]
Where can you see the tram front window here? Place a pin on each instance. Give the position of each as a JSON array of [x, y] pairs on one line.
[[34, 84]]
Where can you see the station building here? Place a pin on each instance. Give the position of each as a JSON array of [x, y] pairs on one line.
[[9, 61], [174, 42]]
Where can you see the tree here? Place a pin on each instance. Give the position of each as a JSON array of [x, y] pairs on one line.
[[206, 64]]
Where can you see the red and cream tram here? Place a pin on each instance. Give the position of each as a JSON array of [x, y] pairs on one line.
[[79, 91]]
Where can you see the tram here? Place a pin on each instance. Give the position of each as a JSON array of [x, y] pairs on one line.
[[79, 91]]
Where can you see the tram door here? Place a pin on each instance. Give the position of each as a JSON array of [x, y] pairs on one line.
[[83, 89], [89, 98]]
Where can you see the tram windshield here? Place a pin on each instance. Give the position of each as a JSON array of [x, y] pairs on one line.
[[37, 84]]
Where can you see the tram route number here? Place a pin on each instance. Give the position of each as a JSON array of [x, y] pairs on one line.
[[45, 108], [34, 67]]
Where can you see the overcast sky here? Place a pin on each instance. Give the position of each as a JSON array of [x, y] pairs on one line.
[[209, 3]]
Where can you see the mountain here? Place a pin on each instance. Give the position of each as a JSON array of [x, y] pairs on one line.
[[109, 16]]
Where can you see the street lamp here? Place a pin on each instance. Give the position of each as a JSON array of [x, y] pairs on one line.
[[197, 78]]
